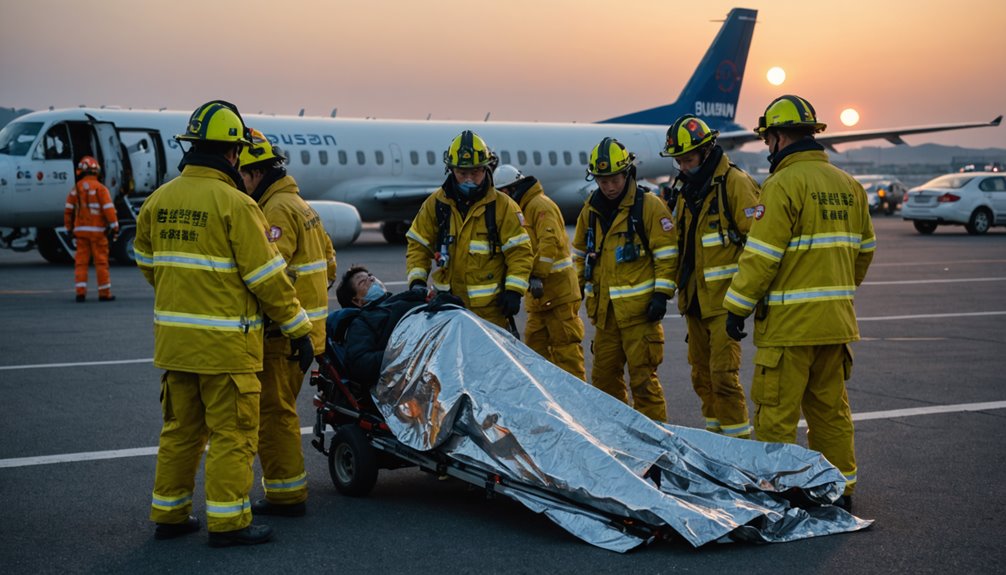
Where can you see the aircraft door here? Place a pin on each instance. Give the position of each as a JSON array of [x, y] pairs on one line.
[[111, 156], [146, 161], [396, 159]]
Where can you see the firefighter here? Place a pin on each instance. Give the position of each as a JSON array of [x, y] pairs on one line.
[[809, 247], [204, 246], [297, 232], [554, 328], [472, 236], [89, 216], [713, 204], [624, 253]]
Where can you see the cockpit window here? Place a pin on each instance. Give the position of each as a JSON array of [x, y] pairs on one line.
[[17, 137], [55, 144]]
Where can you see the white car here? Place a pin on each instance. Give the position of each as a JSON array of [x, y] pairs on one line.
[[976, 200]]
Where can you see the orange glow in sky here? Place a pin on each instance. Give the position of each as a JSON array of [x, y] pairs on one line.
[[904, 63]]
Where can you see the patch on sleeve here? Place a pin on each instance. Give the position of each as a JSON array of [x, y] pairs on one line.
[[274, 233], [757, 211], [667, 224]]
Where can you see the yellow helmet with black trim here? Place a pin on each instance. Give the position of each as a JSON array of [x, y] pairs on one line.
[[468, 150], [687, 133], [260, 150], [609, 158], [789, 112], [216, 121]]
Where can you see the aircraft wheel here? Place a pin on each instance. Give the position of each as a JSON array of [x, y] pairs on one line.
[[394, 231], [50, 247], [122, 249]]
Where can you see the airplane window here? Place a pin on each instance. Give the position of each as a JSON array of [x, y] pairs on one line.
[[567, 158], [323, 157], [414, 157], [553, 158], [305, 157], [505, 157], [583, 158], [342, 157], [17, 137], [522, 157], [361, 158], [537, 158], [379, 156], [431, 158]]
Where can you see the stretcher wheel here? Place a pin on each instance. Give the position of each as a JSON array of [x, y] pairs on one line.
[[352, 461]]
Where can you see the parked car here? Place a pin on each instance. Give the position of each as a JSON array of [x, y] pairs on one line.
[[976, 200], [885, 193]]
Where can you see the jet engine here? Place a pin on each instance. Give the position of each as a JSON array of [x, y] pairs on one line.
[[341, 221]]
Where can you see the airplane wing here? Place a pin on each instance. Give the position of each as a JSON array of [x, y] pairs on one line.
[[404, 194], [735, 139]]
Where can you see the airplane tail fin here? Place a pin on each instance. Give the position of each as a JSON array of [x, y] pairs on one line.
[[715, 86]]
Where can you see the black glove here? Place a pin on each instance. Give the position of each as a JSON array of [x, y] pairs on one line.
[[657, 308], [418, 286], [537, 288], [510, 303], [302, 350], [735, 326], [444, 300]]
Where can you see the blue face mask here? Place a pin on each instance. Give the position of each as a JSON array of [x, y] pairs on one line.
[[693, 171], [466, 188], [374, 293]]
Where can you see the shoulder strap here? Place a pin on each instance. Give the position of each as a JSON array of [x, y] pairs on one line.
[[443, 223], [494, 235], [733, 232], [636, 217]]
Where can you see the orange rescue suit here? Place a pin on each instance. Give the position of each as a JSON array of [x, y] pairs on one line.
[[88, 214]]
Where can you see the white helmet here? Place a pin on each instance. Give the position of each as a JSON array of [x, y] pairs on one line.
[[506, 175]]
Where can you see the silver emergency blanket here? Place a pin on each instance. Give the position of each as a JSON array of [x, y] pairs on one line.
[[456, 384]]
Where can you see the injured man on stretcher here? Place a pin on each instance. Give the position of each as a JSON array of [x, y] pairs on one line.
[[453, 383]]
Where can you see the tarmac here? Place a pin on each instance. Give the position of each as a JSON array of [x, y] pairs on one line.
[[81, 417]]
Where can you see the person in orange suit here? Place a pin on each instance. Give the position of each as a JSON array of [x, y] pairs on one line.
[[89, 216]]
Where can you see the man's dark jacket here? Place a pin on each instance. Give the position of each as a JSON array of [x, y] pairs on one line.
[[368, 333]]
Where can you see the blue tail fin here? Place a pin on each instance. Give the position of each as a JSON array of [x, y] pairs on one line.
[[714, 88]]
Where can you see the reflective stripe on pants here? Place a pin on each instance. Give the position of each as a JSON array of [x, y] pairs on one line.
[[716, 360], [91, 244]]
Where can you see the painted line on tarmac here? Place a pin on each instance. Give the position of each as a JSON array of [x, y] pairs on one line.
[[76, 364], [932, 315], [145, 451], [936, 281]]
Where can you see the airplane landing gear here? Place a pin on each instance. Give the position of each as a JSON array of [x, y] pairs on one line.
[[394, 231]]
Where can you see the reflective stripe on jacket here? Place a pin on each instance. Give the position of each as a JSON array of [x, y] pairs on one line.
[[297, 232], [627, 285], [553, 263], [471, 272], [89, 207], [203, 245], [715, 255], [806, 255]]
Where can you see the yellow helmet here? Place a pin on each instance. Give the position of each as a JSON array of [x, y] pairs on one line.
[[468, 150], [687, 133], [609, 158], [260, 150], [789, 112], [216, 121]]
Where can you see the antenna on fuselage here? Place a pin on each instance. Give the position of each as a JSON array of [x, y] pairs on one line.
[[301, 113], [334, 110], [487, 117]]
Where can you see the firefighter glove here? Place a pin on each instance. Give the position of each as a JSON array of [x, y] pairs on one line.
[[735, 326], [510, 303], [537, 288], [418, 286], [657, 308], [302, 351]]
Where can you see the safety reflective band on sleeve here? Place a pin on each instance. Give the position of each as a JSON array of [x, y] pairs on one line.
[[816, 241], [712, 424], [618, 292], [737, 429], [710, 240], [483, 290], [190, 261], [666, 253], [265, 271], [578, 253], [167, 503], [516, 241], [850, 478], [739, 300], [227, 508], [763, 249], [411, 234], [317, 313], [69, 206], [285, 485], [545, 260], [417, 274], [478, 247], [717, 273], [295, 323], [310, 267], [214, 323], [517, 284], [107, 206], [667, 285], [788, 297], [562, 264], [868, 245], [89, 229], [142, 259]]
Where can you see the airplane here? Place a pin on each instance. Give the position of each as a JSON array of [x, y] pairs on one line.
[[359, 170]]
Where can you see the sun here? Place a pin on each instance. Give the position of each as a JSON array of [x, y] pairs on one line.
[[776, 76], [849, 117]]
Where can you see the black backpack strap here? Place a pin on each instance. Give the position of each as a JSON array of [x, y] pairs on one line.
[[733, 232], [494, 234], [636, 217]]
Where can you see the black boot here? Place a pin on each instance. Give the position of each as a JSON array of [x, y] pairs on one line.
[[81, 297], [251, 535], [172, 530], [106, 298], [266, 507]]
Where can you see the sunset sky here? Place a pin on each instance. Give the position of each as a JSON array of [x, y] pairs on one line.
[[896, 62]]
